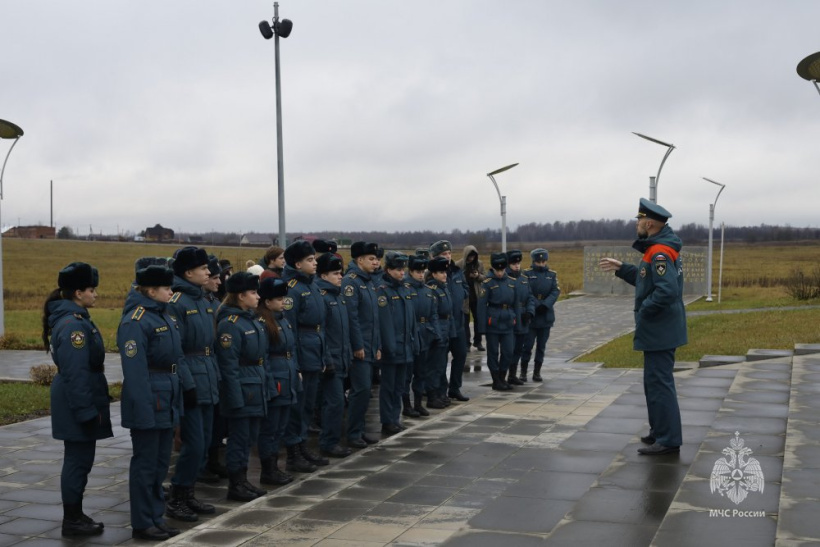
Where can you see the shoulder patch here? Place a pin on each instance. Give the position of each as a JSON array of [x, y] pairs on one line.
[[382, 301], [660, 266], [78, 316], [225, 340], [323, 291], [353, 275], [233, 318], [137, 315], [487, 280], [288, 302], [78, 339], [130, 348], [349, 291], [292, 283], [175, 297]]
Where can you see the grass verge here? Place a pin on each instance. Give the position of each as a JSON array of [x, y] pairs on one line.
[[20, 401]]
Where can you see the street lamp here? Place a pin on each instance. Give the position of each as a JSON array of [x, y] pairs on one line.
[[653, 181], [711, 222], [278, 28], [8, 130], [503, 201], [809, 69]]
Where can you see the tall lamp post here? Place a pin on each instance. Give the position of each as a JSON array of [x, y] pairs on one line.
[[503, 201], [8, 130], [809, 69], [653, 181], [278, 28], [711, 223]]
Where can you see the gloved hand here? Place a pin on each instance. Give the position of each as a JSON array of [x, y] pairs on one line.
[[526, 317], [541, 309], [329, 371], [189, 398]]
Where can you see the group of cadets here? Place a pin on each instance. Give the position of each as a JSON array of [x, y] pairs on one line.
[[262, 362]]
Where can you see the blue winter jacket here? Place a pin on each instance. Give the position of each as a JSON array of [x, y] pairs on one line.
[[425, 304], [363, 312], [305, 309], [338, 352], [281, 367], [241, 350], [397, 321], [496, 311], [545, 290]]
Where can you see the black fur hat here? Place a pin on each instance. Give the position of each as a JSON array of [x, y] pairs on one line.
[[417, 262], [213, 266], [188, 258], [272, 287], [324, 246], [298, 251], [438, 264], [395, 260], [241, 282], [499, 261], [146, 261], [155, 276], [78, 276], [328, 262], [362, 248]]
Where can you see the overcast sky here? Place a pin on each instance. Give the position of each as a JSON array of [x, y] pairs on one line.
[[158, 111]]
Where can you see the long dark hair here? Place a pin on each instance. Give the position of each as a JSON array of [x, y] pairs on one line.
[[271, 324], [56, 294], [231, 299]]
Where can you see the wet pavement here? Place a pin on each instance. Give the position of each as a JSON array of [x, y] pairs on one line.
[[548, 464]]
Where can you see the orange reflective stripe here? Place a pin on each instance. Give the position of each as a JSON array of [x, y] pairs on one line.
[[658, 248]]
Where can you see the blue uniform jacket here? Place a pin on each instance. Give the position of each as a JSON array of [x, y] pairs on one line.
[[281, 367], [496, 307], [150, 350], [305, 309], [397, 321], [197, 328], [524, 301], [545, 290], [241, 350], [338, 352], [459, 292], [446, 328], [425, 304], [363, 312], [79, 393], [660, 316]]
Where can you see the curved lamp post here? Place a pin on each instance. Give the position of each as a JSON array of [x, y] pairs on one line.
[[8, 130], [503, 201], [653, 181], [809, 69], [711, 223], [278, 28]]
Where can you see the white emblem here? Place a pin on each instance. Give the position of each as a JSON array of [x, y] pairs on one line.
[[737, 474]]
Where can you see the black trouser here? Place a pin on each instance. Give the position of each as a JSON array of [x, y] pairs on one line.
[[77, 462]]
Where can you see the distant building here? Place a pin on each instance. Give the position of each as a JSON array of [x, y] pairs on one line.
[[31, 232], [159, 234], [256, 239]]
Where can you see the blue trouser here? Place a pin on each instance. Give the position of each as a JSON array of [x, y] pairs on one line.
[[538, 337], [272, 430], [244, 432], [458, 348], [390, 391], [661, 397], [436, 368], [333, 411], [77, 463], [302, 412], [518, 350], [195, 433], [503, 344], [358, 399], [151, 456], [416, 374]]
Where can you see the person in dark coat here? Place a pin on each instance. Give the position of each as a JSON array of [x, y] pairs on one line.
[[436, 370], [241, 350], [79, 393], [496, 319], [425, 305], [213, 470], [150, 349], [525, 310], [545, 291], [282, 379], [660, 321]]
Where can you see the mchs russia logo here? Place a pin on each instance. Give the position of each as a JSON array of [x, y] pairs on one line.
[[737, 473]]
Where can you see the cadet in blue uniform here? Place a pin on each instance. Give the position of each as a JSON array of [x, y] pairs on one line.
[[199, 375], [338, 355], [397, 321], [365, 338], [241, 349], [496, 318], [282, 378], [425, 305], [437, 282], [459, 295], [545, 291], [525, 309], [321, 247], [212, 470], [79, 393], [660, 321], [150, 350], [305, 310]]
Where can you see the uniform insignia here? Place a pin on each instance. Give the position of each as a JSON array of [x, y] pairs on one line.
[[305, 294], [349, 291], [487, 280], [210, 310], [191, 312], [130, 348], [233, 318], [288, 301], [382, 301], [78, 339], [137, 315], [78, 316], [164, 328], [353, 276], [481, 292], [225, 340], [250, 332], [175, 297], [660, 267], [323, 291]]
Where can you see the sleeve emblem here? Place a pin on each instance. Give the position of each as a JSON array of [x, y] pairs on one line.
[[288, 301], [225, 340], [78, 339], [349, 291], [130, 348], [382, 301], [660, 267]]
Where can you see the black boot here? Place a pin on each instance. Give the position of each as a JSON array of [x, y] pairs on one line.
[[213, 463], [433, 401], [271, 474], [417, 404], [177, 507], [296, 462], [315, 459], [498, 382], [258, 491], [237, 490], [75, 523], [197, 506], [409, 410], [523, 375], [536, 372]]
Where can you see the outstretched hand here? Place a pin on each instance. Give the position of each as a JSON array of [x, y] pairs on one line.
[[610, 264]]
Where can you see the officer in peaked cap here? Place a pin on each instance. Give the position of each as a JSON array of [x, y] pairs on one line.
[[545, 290], [660, 321]]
